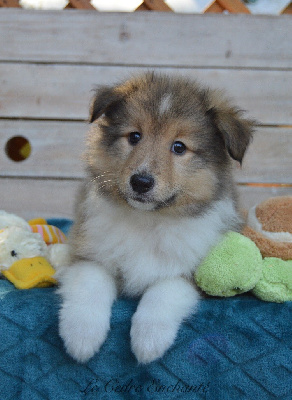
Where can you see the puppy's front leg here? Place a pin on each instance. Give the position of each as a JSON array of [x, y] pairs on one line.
[[159, 315], [88, 292]]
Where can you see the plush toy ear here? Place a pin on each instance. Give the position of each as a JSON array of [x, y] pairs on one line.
[[235, 130], [105, 97]]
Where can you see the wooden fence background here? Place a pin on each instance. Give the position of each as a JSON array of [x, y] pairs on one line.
[[51, 60]]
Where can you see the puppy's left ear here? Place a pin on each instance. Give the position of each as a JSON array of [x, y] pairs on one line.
[[236, 131], [105, 97]]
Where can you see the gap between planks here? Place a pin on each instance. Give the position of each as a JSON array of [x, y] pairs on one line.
[[149, 66]]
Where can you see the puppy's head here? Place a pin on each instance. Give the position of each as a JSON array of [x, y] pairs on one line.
[[162, 143]]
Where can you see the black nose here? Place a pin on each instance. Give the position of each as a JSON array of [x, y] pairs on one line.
[[141, 183]]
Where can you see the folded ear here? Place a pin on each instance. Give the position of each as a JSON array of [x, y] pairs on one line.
[[236, 131], [105, 97]]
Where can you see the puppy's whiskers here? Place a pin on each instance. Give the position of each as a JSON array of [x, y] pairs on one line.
[[106, 174], [104, 183]]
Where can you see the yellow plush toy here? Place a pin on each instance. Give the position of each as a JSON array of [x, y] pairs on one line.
[[30, 254], [31, 272]]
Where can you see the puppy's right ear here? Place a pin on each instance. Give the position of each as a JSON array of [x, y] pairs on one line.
[[235, 130], [105, 97]]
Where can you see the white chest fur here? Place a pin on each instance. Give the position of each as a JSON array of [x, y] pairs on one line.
[[144, 247]]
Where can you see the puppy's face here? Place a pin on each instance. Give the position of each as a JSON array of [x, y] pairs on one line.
[[160, 143]]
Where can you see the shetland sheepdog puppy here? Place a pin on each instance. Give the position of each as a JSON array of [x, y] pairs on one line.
[[158, 194]]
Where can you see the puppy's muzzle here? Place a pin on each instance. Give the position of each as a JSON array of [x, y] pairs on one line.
[[141, 183]]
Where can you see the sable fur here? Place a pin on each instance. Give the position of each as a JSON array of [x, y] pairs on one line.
[[149, 244]]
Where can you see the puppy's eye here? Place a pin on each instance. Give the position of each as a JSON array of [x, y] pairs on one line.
[[178, 148], [134, 138]]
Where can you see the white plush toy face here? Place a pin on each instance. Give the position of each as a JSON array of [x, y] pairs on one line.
[[7, 220], [17, 243]]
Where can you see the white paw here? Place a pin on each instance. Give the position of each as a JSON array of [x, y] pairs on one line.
[[83, 334], [151, 339]]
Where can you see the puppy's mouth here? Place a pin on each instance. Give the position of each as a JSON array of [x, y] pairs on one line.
[[145, 203]]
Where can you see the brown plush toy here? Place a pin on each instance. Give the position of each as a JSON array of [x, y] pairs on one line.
[[269, 226]]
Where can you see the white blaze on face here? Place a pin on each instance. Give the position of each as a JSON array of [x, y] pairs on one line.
[[165, 104]]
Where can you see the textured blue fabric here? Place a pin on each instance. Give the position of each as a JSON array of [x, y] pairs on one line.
[[233, 348]]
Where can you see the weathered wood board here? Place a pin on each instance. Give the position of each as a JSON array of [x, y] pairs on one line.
[[64, 91], [164, 39]]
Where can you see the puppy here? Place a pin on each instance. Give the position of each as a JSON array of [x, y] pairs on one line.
[[158, 195]]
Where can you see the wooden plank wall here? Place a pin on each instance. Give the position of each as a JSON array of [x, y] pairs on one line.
[[51, 61]]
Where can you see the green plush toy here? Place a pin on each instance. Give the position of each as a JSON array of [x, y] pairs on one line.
[[236, 266]]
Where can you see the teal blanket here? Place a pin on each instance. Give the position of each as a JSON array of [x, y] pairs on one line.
[[233, 348]]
